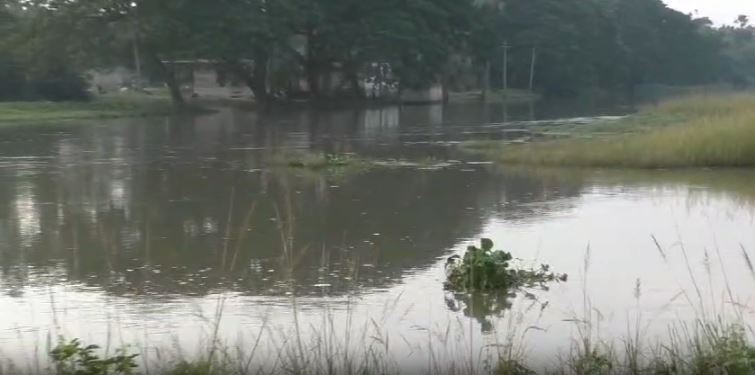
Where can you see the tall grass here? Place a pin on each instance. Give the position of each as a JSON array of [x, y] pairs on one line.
[[699, 131]]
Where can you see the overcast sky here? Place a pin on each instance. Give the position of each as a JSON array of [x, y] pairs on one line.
[[720, 11]]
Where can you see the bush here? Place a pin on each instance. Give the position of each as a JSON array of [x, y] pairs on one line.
[[59, 84], [12, 81]]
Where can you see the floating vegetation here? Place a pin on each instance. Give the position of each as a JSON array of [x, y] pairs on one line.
[[325, 161], [321, 160], [485, 269]]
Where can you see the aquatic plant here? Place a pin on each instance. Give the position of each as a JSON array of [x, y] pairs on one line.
[[315, 160], [483, 268], [73, 358]]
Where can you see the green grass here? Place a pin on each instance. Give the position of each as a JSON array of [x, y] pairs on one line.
[[109, 106], [699, 131]]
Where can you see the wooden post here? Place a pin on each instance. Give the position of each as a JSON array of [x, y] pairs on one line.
[[532, 67]]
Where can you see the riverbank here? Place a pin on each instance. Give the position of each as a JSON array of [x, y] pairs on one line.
[[696, 131], [696, 347], [100, 107]]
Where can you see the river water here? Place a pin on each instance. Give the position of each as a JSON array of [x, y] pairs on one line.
[[168, 233]]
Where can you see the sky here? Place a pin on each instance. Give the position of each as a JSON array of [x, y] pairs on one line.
[[720, 11]]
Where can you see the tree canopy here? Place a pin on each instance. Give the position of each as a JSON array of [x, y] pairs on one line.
[[560, 46]]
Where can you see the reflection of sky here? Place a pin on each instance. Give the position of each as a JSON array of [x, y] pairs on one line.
[[616, 223], [26, 214]]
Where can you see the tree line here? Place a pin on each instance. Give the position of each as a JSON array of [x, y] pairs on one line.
[[557, 46]]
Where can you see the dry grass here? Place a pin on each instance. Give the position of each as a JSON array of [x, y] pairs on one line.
[[699, 131]]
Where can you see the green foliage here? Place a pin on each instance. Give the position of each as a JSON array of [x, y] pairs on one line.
[[483, 268], [512, 367], [272, 46], [59, 84], [724, 351], [36, 63], [73, 358]]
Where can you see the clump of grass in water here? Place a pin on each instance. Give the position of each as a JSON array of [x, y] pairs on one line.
[[320, 160], [483, 268]]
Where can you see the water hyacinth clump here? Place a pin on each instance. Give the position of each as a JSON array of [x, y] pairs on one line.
[[482, 269]]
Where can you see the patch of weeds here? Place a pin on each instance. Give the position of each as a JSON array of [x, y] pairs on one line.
[[512, 367], [729, 352], [483, 269], [73, 358], [196, 368], [320, 160], [593, 362]]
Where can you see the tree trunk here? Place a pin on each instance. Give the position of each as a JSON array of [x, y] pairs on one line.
[[313, 78], [175, 89], [259, 76], [312, 68], [255, 78], [351, 70], [169, 77], [356, 87]]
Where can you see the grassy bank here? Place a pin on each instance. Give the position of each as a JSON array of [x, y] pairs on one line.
[[109, 106], [699, 131]]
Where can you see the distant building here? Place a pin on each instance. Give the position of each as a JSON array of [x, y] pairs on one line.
[[110, 80], [206, 79]]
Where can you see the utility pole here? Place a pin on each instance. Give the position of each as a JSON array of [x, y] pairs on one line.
[[137, 54], [137, 63], [486, 81], [532, 67], [505, 72]]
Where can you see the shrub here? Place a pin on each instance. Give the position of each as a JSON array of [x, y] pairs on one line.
[[59, 84], [12, 82]]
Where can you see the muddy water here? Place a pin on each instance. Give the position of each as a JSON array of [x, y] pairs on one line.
[[161, 232]]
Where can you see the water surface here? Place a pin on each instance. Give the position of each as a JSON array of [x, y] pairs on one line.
[[143, 231]]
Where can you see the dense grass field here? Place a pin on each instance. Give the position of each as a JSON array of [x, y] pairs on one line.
[[696, 131]]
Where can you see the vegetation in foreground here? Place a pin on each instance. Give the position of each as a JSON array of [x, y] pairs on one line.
[[110, 106], [697, 131], [712, 343]]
